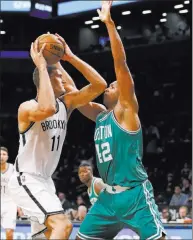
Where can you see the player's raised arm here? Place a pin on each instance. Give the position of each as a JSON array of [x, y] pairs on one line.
[[127, 97], [90, 110], [88, 93], [32, 111]]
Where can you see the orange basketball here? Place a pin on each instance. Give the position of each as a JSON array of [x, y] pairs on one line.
[[54, 49]]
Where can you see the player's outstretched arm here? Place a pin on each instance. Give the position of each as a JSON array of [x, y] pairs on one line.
[[88, 93], [127, 97], [31, 111], [90, 110]]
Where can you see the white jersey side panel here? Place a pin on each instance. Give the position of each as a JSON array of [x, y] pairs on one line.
[[40, 146], [5, 177]]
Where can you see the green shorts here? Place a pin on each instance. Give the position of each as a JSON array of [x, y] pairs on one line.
[[134, 208]]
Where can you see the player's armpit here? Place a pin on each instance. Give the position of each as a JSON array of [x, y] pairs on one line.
[[99, 186], [83, 96], [30, 111], [91, 110]]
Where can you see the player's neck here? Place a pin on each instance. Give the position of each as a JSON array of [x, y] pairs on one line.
[[111, 107], [4, 167], [89, 183]]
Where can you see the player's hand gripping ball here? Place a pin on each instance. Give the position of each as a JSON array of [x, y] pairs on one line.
[[54, 49]]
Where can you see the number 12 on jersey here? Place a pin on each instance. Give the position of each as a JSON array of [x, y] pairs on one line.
[[103, 152]]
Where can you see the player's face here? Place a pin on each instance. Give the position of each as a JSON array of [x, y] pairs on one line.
[[4, 156], [111, 94], [56, 80], [67, 86], [84, 174]]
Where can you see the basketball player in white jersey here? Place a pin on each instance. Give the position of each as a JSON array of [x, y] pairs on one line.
[[42, 125], [95, 185], [8, 207]]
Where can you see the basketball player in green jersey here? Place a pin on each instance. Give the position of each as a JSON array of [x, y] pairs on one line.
[[128, 199], [95, 185]]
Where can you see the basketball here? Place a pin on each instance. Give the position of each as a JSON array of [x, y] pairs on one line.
[[54, 49]]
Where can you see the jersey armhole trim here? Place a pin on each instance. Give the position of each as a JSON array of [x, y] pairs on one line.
[[100, 113], [64, 104], [95, 180], [31, 124], [118, 125]]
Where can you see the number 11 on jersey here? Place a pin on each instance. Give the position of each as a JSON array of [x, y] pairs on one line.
[[53, 143], [103, 152]]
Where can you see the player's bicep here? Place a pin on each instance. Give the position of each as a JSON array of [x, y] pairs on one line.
[[30, 112], [82, 97], [91, 110], [99, 186]]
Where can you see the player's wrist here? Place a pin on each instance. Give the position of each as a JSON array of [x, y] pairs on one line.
[[110, 22], [42, 67], [70, 58]]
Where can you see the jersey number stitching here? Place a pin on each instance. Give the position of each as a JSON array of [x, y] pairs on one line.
[[105, 156]]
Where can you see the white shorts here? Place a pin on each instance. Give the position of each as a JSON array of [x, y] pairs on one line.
[[35, 195], [8, 214]]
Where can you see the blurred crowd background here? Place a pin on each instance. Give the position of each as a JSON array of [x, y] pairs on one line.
[[158, 48]]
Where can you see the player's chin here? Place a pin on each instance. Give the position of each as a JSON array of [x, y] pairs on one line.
[[83, 180]]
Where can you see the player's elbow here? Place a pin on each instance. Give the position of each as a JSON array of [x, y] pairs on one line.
[[49, 111], [102, 86]]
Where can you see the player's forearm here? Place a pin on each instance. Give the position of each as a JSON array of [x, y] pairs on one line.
[[117, 47], [46, 99], [89, 73]]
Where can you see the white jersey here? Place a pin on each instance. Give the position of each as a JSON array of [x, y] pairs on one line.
[[5, 177], [41, 144]]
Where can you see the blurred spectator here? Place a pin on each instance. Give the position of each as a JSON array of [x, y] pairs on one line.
[[183, 212], [186, 186], [165, 215], [178, 197], [81, 214], [65, 203], [168, 193], [80, 201], [183, 215], [185, 171], [161, 200]]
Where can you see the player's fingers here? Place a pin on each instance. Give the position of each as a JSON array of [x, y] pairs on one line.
[[32, 49], [59, 37], [42, 48], [36, 46], [99, 12], [110, 3]]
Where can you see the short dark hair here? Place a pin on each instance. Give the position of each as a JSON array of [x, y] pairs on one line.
[[4, 149], [36, 78], [85, 164]]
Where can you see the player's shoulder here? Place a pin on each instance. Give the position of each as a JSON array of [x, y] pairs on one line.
[[102, 114], [27, 105], [97, 180]]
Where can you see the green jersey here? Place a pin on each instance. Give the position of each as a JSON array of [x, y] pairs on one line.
[[93, 196], [118, 152]]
